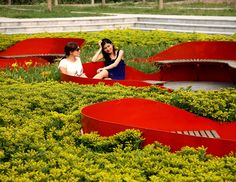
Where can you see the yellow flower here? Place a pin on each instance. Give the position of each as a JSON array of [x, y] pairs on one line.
[[45, 74], [14, 65], [28, 63]]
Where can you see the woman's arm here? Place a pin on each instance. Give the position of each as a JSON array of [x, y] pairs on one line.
[[113, 65], [63, 66], [98, 56], [63, 70]]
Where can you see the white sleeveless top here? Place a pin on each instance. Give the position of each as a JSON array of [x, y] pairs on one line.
[[72, 68]]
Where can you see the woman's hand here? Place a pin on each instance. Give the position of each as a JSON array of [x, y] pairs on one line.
[[83, 75], [98, 54], [100, 43], [100, 69]]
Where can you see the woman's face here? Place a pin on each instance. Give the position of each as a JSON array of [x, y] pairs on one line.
[[108, 48], [76, 52]]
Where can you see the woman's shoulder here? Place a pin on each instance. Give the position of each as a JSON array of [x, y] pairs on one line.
[[63, 60], [121, 51], [78, 59], [63, 63]]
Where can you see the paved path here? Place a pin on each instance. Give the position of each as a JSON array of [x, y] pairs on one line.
[[199, 85], [225, 25], [133, 15]]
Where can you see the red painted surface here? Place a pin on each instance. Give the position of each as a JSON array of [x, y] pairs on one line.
[[157, 120], [218, 50], [208, 69], [217, 72], [49, 48], [215, 67], [41, 49], [134, 77]]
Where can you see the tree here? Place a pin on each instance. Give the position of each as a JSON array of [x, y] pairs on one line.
[[234, 5], [9, 2], [49, 2], [103, 2], [161, 4], [55, 2]]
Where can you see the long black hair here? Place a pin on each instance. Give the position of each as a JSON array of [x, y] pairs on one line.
[[106, 55]]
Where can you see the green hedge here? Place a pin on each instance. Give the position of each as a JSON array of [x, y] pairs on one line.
[[41, 141], [122, 37]]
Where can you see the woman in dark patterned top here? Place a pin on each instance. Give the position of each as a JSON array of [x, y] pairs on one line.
[[114, 61]]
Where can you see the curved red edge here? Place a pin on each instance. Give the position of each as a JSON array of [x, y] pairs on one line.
[[198, 61], [217, 64], [209, 50], [158, 122], [180, 72], [40, 46], [133, 77], [36, 49]]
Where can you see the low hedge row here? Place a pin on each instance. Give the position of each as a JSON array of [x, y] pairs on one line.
[[122, 37]]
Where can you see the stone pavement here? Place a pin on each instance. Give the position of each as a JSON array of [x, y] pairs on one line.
[[199, 85]]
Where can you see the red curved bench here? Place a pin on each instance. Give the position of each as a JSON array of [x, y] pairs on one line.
[[191, 61], [133, 77], [204, 50], [36, 49], [160, 122], [198, 61]]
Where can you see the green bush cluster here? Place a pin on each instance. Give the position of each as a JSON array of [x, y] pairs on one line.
[[214, 104], [122, 37], [41, 140], [127, 141], [218, 105]]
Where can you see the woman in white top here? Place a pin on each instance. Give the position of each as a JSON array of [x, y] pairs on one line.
[[71, 63]]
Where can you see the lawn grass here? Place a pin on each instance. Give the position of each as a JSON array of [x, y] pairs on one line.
[[78, 10]]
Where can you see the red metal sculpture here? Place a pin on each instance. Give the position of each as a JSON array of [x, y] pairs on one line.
[[133, 76], [39, 51], [160, 122], [198, 61], [191, 61]]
